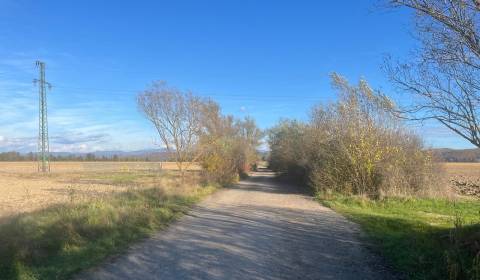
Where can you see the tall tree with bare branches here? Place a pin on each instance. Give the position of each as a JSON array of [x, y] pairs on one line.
[[177, 118], [444, 77]]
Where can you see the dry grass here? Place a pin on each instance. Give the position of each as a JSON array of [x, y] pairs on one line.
[[23, 189], [54, 225], [462, 168], [75, 166]]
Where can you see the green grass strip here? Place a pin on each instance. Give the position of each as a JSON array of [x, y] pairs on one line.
[[417, 236]]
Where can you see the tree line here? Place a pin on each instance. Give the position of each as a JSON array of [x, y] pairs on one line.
[[354, 146], [16, 156], [194, 130]]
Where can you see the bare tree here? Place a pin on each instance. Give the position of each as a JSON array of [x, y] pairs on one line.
[[177, 118], [443, 77]]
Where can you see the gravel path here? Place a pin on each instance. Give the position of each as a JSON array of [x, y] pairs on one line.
[[258, 229]]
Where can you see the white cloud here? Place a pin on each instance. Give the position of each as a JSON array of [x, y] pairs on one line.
[[74, 142], [78, 121]]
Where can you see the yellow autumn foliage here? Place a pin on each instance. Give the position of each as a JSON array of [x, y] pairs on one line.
[[353, 146]]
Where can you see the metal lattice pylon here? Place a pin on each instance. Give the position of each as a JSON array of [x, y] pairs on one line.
[[43, 155]]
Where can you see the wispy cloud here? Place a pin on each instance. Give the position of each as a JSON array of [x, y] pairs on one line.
[[81, 138], [21, 144], [77, 142], [73, 126]]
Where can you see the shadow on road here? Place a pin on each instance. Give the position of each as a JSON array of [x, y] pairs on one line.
[[235, 235]]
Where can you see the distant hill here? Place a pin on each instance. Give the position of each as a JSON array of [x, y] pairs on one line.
[[452, 155], [140, 155], [150, 154]]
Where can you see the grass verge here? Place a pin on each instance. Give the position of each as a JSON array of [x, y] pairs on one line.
[[56, 242], [422, 238]]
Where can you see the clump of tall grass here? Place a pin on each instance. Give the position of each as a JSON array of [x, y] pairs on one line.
[[463, 256]]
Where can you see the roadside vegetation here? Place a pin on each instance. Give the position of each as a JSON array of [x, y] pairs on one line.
[[58, 241], [210, 150], [194, 130], [353, 147], [424, 238], [361, 159], [365, 163]]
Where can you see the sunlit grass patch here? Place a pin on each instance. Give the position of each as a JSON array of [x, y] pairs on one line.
[[417, 234]]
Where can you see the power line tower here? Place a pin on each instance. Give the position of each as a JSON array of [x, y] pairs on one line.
[[43, 155]]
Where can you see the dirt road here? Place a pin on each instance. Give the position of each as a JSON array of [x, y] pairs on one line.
[[258, 229]]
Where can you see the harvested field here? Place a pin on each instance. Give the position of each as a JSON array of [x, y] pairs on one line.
[[463, 177], [73, 166], [23, 189]]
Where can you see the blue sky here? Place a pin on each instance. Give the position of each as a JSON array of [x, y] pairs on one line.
[[265, 59]]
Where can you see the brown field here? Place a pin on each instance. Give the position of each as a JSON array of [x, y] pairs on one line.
[[462, 168], [73, 166], [23, 189], [463, 177]]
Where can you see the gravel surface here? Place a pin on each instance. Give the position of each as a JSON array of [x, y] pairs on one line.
[[258, 229]]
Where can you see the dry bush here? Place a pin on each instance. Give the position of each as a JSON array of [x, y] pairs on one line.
[[353, 146], [231, 149], [288, 148]]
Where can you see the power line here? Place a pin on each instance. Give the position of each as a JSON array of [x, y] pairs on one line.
[[43, 144], [230, 96]]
